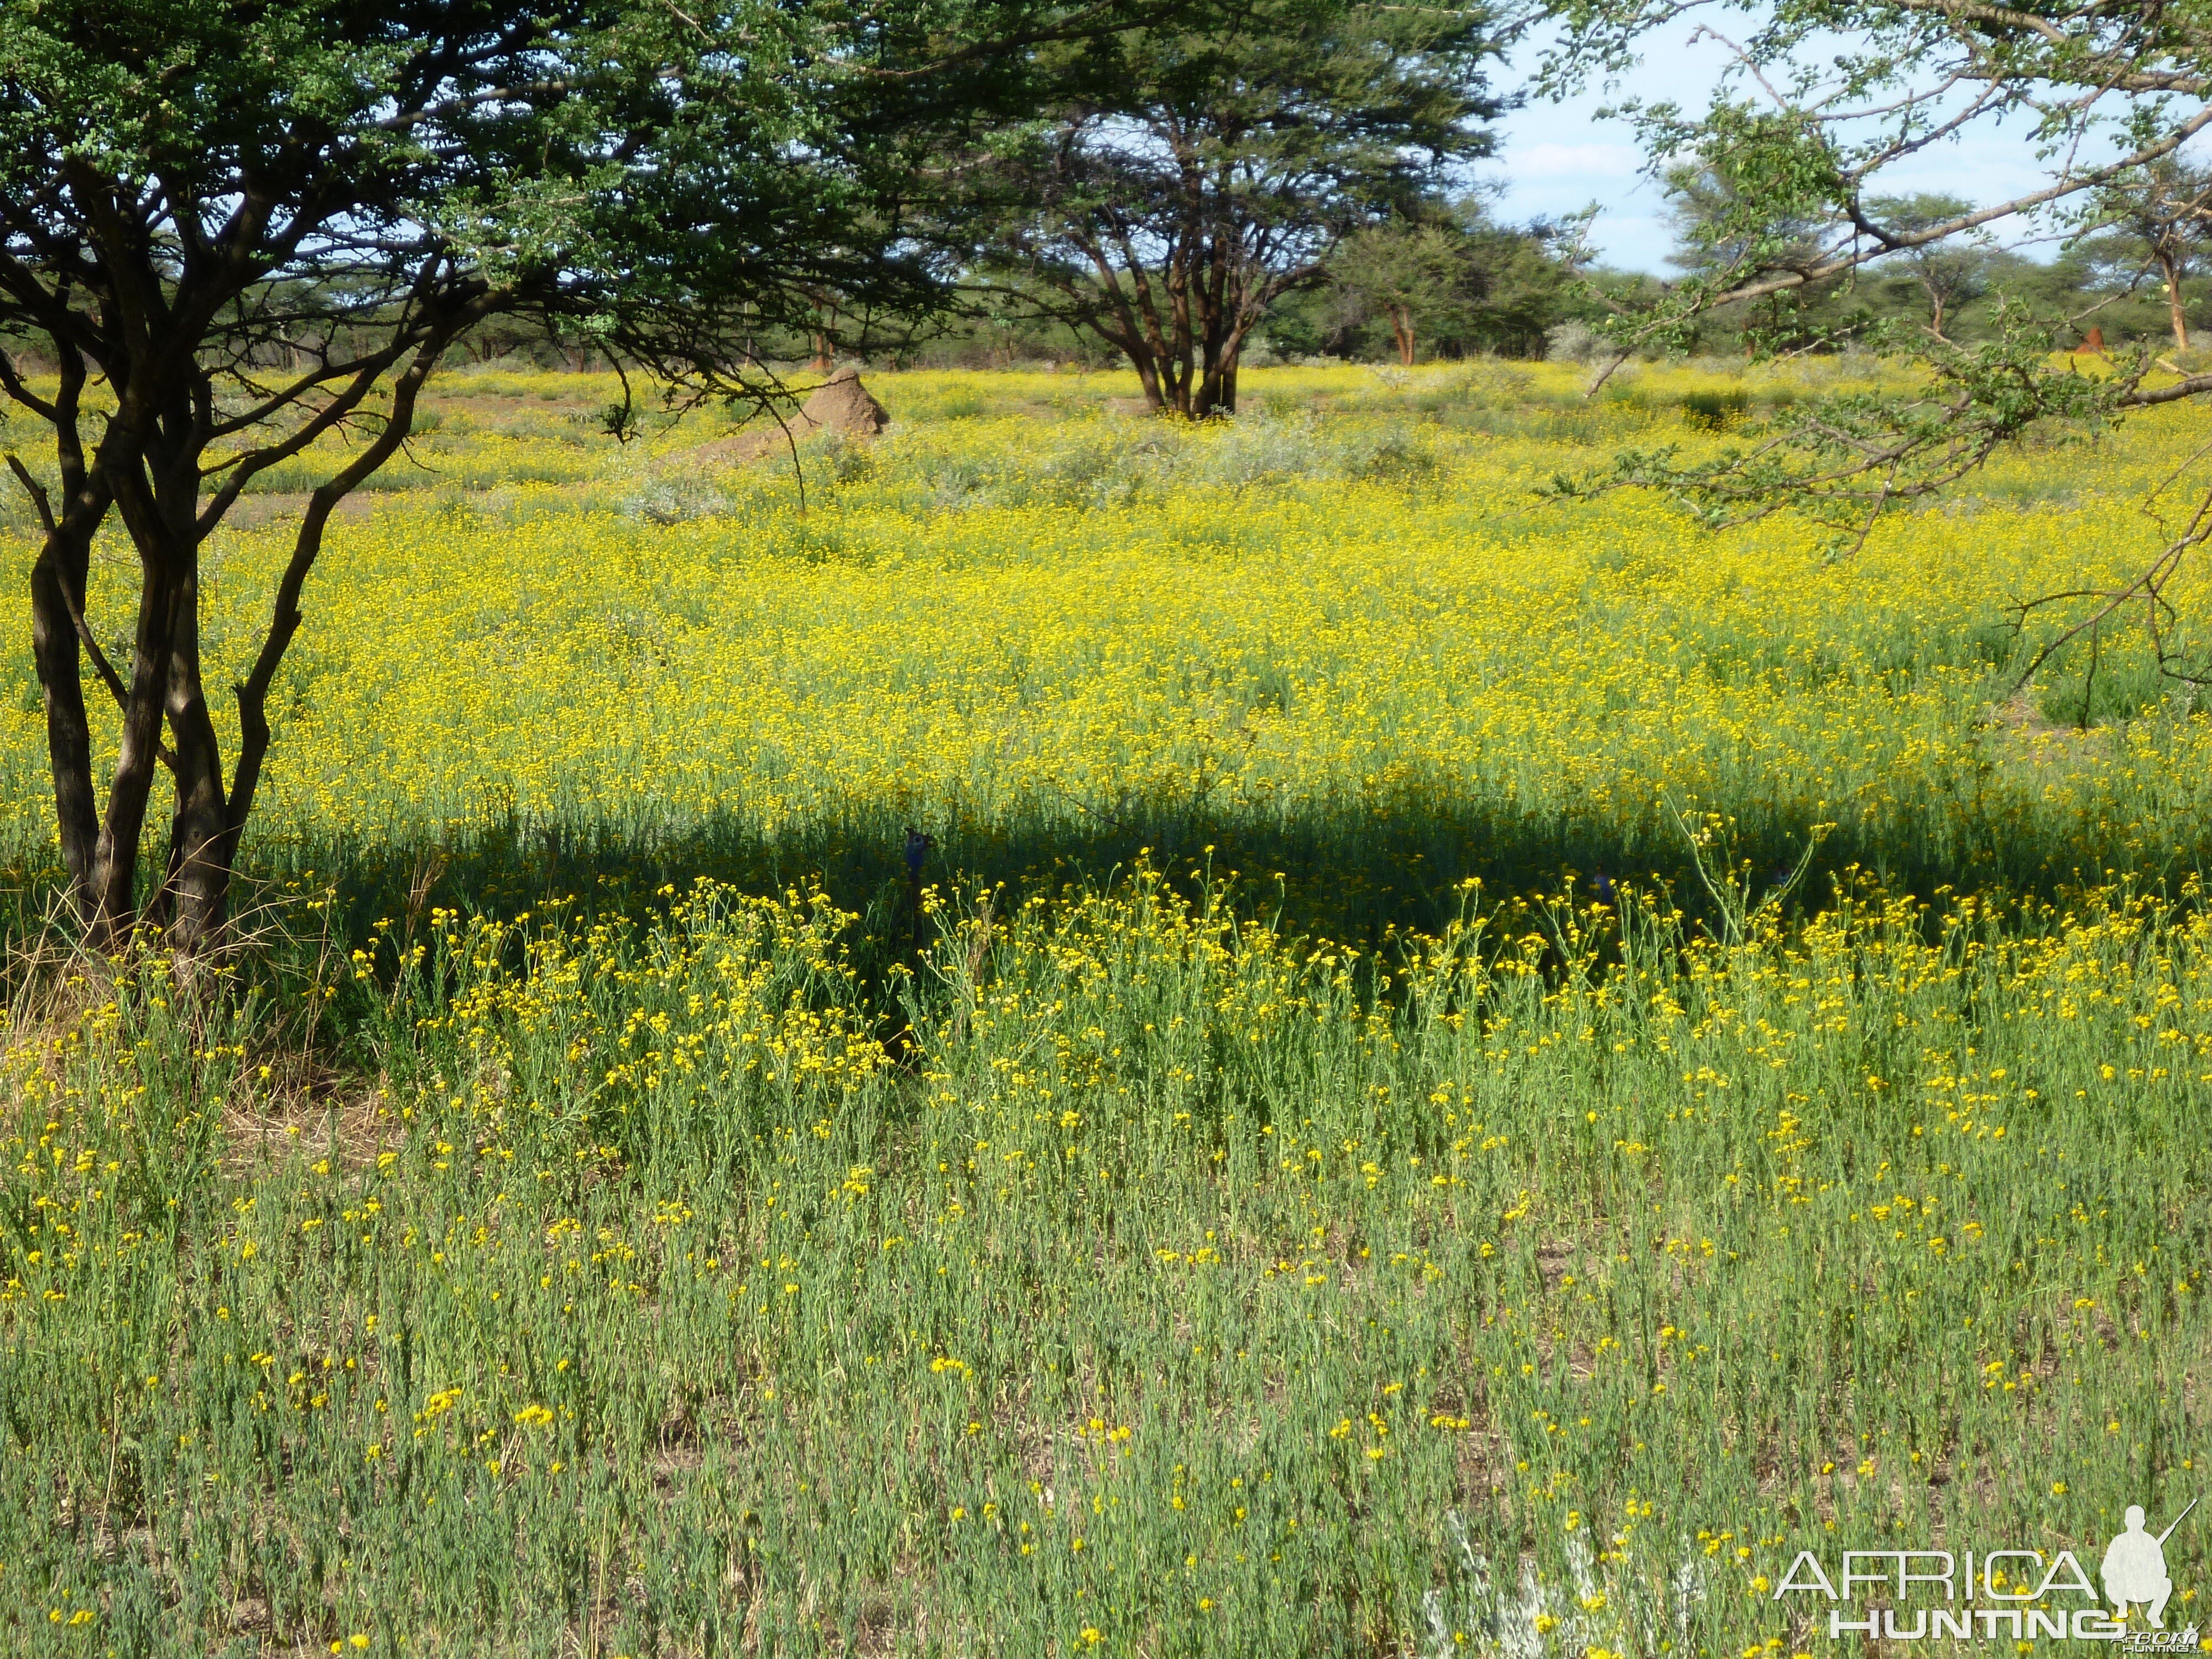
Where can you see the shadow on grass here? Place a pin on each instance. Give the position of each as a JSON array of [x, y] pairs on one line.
[[1358, 871], [1361, 871]]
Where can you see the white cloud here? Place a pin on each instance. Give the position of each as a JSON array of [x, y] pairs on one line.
[[1548, 161]]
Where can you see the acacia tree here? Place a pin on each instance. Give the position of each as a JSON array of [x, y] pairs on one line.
[[237, 228], [1205, 166], [1823, 102], [1408, 272], [1949, 273], [1455, 278], [2164, 212]]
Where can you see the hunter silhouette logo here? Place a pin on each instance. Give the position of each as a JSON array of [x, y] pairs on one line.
[[2135, 1568]]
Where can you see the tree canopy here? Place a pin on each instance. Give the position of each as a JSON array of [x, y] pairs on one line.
[[1199, 167], [1452, 278], [237, 227]]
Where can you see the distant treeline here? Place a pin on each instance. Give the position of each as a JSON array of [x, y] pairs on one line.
[[1444, 280]]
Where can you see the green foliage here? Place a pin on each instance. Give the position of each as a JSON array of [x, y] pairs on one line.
[[2160, 224], [614, 168]]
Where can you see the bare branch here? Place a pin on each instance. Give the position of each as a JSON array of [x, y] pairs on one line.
[[34, 489]]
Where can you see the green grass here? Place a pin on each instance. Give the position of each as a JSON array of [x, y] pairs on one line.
[[1176, 1281]]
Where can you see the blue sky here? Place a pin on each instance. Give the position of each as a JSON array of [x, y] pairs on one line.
[[1554, 159]]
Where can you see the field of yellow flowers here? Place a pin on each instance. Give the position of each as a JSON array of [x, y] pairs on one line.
[[1461, 1074]]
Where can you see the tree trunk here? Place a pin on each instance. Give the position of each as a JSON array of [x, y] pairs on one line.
[[114, 882], [1402, 325], [59, 634], [1222, 347], [56, 652], [2175, 312], [197, 893], [153, 474], [1148, 376], [146, 470]]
